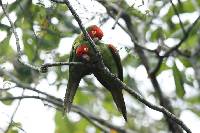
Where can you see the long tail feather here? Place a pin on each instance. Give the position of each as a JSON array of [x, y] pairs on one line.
[[70, 93], [119, 101], [116, 94]]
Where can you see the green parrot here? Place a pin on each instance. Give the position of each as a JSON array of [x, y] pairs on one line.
[[77, 72], [112, 61], [82, 52]]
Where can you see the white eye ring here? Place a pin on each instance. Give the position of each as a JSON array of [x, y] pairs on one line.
[[85, 49]]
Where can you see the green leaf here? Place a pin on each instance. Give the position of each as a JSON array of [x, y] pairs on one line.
[[178, 79], [64, 125], [131, 60], [12, 131], [163, 67], [185, 61], [5, 94], [5, 49], [4, 27], [194, 99], [81, 98], [158, 33], [196, 111]]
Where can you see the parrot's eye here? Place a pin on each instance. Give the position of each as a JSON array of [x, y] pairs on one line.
[[81, 50], [85, 49]]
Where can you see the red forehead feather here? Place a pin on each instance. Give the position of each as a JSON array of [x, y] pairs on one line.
[[83, 49], [97, 30]]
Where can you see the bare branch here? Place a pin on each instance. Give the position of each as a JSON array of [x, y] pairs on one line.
[[177, 14], [185, 37], [76, 109], [45, 67], [58, 102], [11, 119], [117, 18]]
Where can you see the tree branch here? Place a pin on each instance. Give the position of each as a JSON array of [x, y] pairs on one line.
[[44, 67], [11, 119], [185, 37], [59, 103], [177, 14], [76, 109]]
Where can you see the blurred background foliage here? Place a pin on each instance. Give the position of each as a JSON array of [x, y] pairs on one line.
[[42, 27]]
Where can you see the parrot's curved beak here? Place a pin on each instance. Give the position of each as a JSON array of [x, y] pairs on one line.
[[96, 39], [86, 57]]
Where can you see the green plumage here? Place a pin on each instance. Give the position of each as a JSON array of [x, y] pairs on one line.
[[111, 60], [76, 73]]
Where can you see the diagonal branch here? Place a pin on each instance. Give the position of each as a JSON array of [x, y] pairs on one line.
[[185, 37], [177, 14], [167, 54], [11, 119]]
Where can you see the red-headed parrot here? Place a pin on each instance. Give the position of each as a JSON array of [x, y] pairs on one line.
[[78, 53], [112, 61], [95, 33]]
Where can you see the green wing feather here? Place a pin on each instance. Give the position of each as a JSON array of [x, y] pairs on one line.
[[112, 61], [117, 60], [73, 80]]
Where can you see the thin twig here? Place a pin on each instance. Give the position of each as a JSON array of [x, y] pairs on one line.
[[177, 14], [45, 66], [11, 119], [117, 18], [58, 100], [59, 104], [186, 35]]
